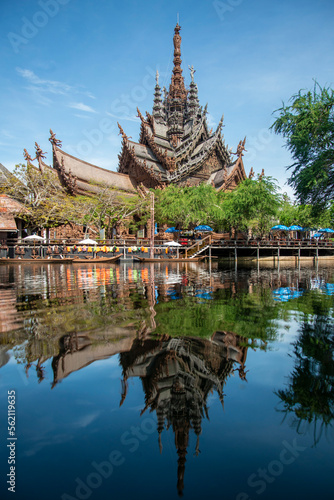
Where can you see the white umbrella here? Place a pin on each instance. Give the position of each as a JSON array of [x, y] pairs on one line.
[[87, 241], [173, 244], [33, 237]]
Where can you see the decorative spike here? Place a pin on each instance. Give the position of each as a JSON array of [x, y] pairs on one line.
[[27, 156], [40, 155], [122, 133], [54, 141], [140, 115]]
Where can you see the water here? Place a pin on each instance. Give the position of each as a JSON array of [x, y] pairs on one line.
[[158, 381]]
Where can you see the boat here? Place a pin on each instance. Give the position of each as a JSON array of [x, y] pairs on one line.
[[162, 259], [96, 260], [36, 261]]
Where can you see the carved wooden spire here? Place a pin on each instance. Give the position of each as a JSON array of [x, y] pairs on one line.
[[40, 155], [27, 157], [121, 131], [177, 89], [241, 148], [54, 141]]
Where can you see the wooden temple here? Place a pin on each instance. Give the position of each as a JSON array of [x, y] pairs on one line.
[[175, 146]]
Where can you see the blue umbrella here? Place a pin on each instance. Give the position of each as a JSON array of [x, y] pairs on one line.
[[317, 235], [171, 230], [326, 230], [203, 228], [296, 228], [280, 228]]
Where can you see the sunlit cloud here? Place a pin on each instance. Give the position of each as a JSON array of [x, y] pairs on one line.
[[51, 86], [37, 84], [82, 107]]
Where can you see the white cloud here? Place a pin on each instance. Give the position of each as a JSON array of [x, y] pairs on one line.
[[38, 85], [86, 117], [211, 121], [51, 86], [82, 107], [127, 118]]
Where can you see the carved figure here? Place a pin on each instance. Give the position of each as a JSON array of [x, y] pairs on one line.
[[27, 156], [192, 72], [241, 148], [53, 140], [39, 153]]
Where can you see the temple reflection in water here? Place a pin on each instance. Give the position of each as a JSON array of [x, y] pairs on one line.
[[177, 375]]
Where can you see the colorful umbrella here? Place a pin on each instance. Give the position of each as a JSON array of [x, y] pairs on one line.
[[203, 228], [172, 230], [296, 228], [279, 228]]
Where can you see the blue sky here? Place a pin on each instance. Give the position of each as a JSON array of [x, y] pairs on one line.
[[79, 66]]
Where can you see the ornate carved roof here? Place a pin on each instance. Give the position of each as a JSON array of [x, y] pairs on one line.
[[175, 145], [81, 176]]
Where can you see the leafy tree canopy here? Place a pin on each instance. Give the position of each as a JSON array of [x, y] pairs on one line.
[[307, 124], [45, 202], [304, 215], [252, 205], [187, 207]]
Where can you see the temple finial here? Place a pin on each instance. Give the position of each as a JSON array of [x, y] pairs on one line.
[[121, 131], [177, 89], [54, 141], [192, 72], [40, 155], [157, 77]]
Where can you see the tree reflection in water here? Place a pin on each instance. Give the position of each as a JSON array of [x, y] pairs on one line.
[[309, 395]]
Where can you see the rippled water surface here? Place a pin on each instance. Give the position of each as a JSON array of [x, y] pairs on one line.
[[158, 381]]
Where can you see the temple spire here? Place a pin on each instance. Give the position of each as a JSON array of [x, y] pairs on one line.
[[158, 111], [177, 89], [193, 107]]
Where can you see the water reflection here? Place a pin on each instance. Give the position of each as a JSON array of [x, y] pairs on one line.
[[178, 374], [309, 395], [183, 332]]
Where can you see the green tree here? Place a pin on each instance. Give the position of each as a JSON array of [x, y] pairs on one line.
[[106, 208], [307, 124], [45, 202], [187, 207], [252, 205], [303, 215]]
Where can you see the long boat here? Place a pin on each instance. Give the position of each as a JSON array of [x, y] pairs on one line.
[[97, 260], [36, 261], [180, 259]]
